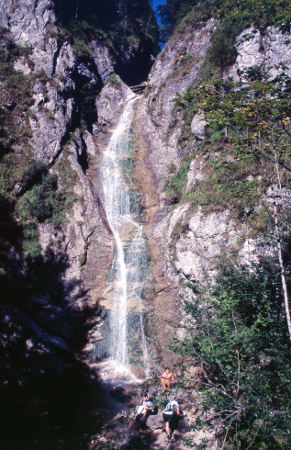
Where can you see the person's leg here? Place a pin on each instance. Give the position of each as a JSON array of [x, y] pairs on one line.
[[167, 426], [168, 431], [163, 384], [168, 385], [137, 421], [144, 418], [138, 417], [173, 424], [140, 421]]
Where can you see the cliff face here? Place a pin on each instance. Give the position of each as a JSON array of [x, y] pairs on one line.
[[60, 97], [215, 180], [62, 91], [75, 99], [188, 240]]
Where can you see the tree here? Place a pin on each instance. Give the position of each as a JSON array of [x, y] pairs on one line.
[[235, 334]]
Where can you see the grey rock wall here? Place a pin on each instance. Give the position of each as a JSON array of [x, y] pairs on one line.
[[189, 241], [175, 68], [267, 51], [32, 24], [54, 121]]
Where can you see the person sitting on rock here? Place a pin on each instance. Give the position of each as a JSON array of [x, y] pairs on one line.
[[171, 416], [143, 411], [167, 380]]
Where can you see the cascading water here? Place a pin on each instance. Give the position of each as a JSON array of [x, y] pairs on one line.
[[125, 340]]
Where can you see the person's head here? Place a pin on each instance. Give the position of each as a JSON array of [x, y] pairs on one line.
[[146, 397], [167, 370]]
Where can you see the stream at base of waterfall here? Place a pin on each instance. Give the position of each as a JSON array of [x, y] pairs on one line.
[[122, 345]]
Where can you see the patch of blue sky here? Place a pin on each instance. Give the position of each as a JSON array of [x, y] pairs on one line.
[[155, 4]]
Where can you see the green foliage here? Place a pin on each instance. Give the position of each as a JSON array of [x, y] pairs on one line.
[[222, 52], [114, 81], [66, 196], [81, 48], [216, 193], [233, 15], [194, 286], [32, 174], [237, 14], [174, 187], [172, 12], [31, 245], [49, 199], [237, 331], [41, 198], [248, 133]]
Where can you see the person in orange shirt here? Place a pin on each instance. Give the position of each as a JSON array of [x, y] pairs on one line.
[[167, 379]]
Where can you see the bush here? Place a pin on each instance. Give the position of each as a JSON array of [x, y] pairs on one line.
[[41, 199], [237, 332], [175, 185], [31, 245], [32, 174], [114, 81], [81, 48]]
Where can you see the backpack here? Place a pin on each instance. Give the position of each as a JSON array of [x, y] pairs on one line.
[[171, 407], [155, 411]]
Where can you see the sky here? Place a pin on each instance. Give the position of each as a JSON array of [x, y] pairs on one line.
[[155, 3]]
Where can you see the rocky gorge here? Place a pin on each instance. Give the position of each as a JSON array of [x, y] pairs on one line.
[[66, 81]]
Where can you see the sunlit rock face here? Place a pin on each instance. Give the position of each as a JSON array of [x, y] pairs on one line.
[[175, 68], [269, 52], [188, 242]]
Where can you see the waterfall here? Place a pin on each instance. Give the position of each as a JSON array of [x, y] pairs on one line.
[[126, 342]]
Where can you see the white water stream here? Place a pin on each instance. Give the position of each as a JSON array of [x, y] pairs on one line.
[[129, 267]]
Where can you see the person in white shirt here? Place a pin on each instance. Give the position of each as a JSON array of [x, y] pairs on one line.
[[143, 411]]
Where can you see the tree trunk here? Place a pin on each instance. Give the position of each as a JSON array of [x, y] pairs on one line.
[[279, 248], [282, 270]]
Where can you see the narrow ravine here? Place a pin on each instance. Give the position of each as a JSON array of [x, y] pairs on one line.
[[123, 341]]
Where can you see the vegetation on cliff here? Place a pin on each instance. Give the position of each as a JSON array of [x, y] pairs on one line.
[[238, 328], [237, 334], [248, 135], [26, 184], [237, 14], [232, 18]]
